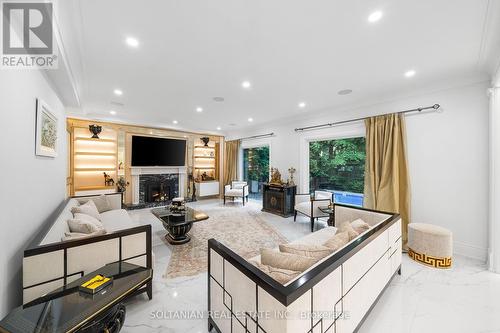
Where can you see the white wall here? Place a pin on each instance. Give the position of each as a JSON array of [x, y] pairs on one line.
[[31, 187], [448, 158]]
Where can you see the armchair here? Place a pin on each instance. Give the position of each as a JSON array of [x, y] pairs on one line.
[[309, 205], [237, 189]]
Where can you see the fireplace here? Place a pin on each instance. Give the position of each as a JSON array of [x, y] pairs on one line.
[[152, 183], [158, 189]]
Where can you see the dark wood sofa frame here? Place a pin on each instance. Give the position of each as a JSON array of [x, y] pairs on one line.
[[286, 295]]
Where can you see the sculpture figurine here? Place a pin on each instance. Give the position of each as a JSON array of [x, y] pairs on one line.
[[291, 181], [275, 177], [108, 181]]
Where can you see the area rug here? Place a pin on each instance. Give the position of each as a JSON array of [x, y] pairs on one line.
[[241, 230]]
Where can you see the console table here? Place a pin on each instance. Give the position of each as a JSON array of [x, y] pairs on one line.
[[279, 199], [69, 310]]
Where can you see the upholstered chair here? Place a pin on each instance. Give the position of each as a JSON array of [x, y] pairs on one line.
[[237, 189], [308, 205]]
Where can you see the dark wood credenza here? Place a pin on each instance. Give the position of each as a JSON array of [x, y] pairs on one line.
[[279, 200]]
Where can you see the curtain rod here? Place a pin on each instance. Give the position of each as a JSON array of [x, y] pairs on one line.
[[256, 136], [300, 129]]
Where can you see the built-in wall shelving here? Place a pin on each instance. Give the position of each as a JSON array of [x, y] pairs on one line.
[[205, 161], [92, 157]]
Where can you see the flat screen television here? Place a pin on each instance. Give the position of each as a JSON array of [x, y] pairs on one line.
[[149, 151]]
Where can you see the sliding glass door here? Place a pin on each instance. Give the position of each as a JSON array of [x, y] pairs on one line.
[[256, 169], [338, 166]]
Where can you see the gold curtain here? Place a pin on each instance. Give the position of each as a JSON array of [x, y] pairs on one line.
[[231, 153], [387, 181]]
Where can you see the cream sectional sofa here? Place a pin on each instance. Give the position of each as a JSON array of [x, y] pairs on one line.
[[50, 263], [334, 295]]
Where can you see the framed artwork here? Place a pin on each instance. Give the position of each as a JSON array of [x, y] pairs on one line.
[[46, 130]]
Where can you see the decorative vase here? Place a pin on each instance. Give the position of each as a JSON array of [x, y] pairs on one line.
[[96, 130]]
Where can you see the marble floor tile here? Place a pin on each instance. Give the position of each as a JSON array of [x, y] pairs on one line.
[[463, 299]]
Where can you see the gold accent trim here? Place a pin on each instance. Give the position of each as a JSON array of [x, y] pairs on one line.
[[429, 260]]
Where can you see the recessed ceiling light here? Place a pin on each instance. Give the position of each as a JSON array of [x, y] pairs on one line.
[[344, 92], [302, 105], [118, 92], [175, 122], [219, 128], [410, 73], [246, 84], [375, 16], [250, 119], [132, 42], [199, 109], [113, 112]]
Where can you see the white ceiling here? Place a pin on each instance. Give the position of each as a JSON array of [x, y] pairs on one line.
[[291, 51]]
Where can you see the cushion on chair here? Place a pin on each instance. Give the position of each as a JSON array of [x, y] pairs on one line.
[[234, 193], [304, 208], [102, 204], [88, 208], [77, 235], [85, 224], [360, 226], [117, 219], [279, 274], [293, 262], [238, 185], [347, 227], [321, 195], [311, 251], [336, 242]]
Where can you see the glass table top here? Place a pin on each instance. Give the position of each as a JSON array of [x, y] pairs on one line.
[[189, 215], [66, 309]]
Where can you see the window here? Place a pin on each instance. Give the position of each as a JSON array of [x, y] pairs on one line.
[[338, 166], [256, 169]]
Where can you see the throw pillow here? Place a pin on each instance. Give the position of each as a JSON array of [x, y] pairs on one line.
[[102, 204], [73, 235], [336, 242], [346, 227], [360, 226], [77, 235], [87, 208], [292, 262], [311, 251], [85, 224], [283, 276]]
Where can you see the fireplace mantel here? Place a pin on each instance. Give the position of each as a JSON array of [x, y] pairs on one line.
[[136, 172]]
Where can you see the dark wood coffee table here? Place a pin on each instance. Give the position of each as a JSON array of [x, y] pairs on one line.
[[69, 310], [178, 223]]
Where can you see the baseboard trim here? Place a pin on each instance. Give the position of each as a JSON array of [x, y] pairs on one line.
[[470, 251]]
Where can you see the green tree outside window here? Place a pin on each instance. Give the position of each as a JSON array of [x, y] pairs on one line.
[[337, 165]]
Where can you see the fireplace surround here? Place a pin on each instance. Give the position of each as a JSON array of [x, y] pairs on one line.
[[157, 185]]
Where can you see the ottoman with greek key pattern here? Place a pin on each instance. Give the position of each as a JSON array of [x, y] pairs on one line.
[[430, 245]]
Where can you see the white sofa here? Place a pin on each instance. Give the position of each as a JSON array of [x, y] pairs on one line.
[[333, 296], [113, 220], [50, 263]]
